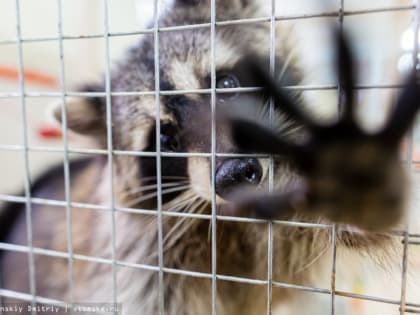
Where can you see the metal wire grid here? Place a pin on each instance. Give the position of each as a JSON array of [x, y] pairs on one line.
[[28, 200], [222, 23]]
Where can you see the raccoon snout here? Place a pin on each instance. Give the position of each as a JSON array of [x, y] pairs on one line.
[[234, 172]]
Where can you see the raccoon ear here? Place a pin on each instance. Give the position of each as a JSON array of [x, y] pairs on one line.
[[84, 115]]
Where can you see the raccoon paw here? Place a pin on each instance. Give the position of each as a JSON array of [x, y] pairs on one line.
[[350, 176]]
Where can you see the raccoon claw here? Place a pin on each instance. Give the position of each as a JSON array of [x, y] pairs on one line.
[[369, 190]]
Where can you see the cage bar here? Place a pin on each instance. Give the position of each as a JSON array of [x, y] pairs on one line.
[[272, 66], [161, 301], [200, 91], [66, 164], [27, 181], [109, 151]]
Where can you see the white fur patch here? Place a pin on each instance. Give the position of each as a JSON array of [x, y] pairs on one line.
[[199, 173], [183, 76], [200, 178], [226, 54]]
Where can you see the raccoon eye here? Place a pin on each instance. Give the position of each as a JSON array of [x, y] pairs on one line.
[[169, 140], [227, 81]]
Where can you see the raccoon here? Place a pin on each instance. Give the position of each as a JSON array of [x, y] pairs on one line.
[[185, 126]]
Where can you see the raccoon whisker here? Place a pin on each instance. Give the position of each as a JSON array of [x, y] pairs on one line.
[[142, 191], [314, 259], [154, 186], [183, 204], [187, 197], [163, 177], [195, 203], [193, 206], [167, 245], [180, 228], [188, 204], [285, 65], [154, 194]]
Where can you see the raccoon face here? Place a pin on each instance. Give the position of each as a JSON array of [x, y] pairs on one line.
[[185, 119]]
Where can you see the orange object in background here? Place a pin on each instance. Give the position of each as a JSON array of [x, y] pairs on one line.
[[49, 132], [356, 305], [31, 76], [36, 78]]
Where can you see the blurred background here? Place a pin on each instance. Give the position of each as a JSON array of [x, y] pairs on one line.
[[382, 41]]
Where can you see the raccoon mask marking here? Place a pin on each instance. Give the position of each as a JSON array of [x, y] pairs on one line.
[[185, 119]]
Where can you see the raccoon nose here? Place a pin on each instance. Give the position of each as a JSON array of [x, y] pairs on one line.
[[234, 172]]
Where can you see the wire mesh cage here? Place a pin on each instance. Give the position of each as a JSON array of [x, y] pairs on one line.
[[328, 296]]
